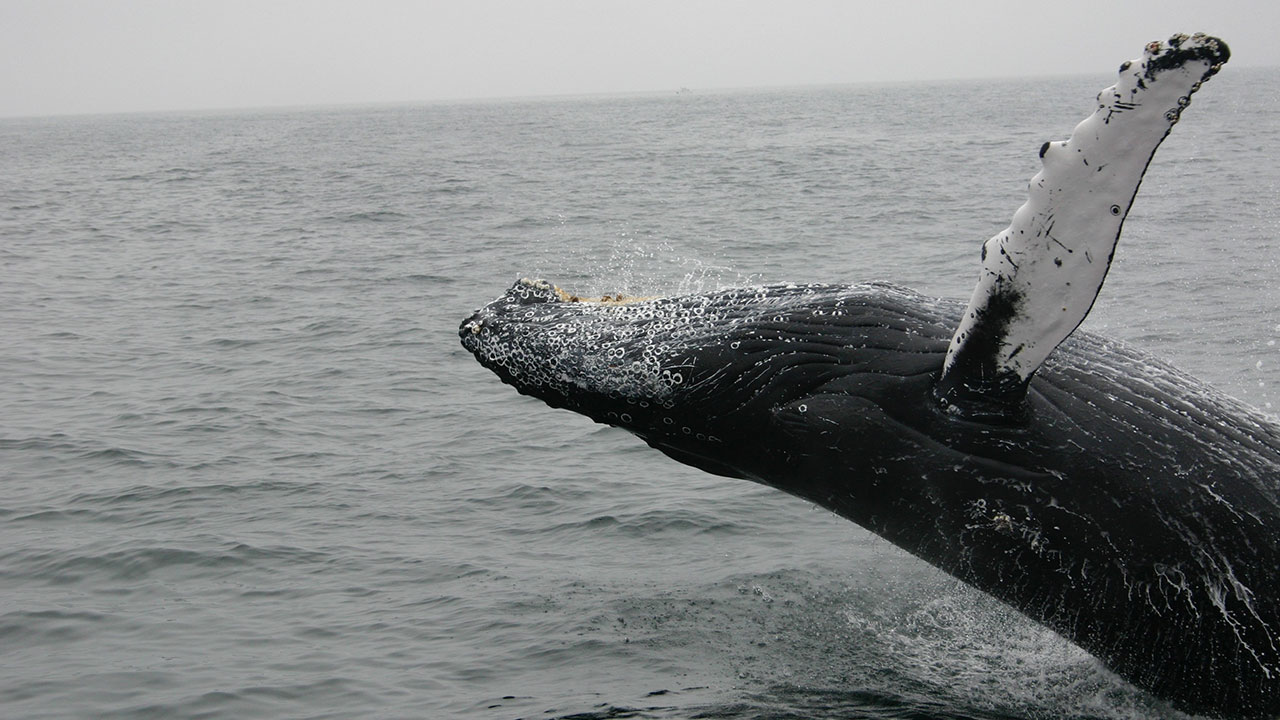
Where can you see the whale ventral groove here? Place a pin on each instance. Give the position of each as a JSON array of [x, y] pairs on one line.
[[1096, 489]]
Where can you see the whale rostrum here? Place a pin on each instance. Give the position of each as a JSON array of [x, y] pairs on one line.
[[1094, 488]]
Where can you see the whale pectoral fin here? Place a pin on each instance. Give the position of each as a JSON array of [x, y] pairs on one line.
[[1040, 276]]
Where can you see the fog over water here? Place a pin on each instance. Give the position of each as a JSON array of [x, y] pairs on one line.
[[74, 56]]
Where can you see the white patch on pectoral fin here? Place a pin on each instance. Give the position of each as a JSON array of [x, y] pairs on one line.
[[1040, 275]]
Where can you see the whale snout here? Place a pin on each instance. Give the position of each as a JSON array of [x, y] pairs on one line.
[[585, 354], [496, 324]]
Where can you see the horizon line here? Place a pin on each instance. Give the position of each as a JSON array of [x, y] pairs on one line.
[[548, 96]]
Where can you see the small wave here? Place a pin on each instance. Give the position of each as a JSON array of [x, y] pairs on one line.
[[223, 342], [307, 457], [146, 494], [62, 567], [204, 367], [51, 515], [200, 409], [376, 216], [56, 441], [62, 335], [523, 497], [179, 174], [122, 456], [453, 187], [333, 693], [327, 327], [613, 712], [819, 704], [26, 628], [525, 223], [430, 278], [643, 525], [149, 494], [304, 272]]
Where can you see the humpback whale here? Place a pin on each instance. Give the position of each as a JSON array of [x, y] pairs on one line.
[[1101, 492]]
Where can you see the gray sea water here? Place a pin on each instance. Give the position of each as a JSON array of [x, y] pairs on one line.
[[247, 471]]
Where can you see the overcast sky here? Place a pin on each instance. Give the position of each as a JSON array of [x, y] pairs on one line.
[[88, 56]]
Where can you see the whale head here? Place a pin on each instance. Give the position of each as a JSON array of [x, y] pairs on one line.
[[695, 375]]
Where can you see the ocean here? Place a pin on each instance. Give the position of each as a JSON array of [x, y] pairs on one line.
[[248, 471]]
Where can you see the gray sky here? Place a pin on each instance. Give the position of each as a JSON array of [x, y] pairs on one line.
[[84, 56]]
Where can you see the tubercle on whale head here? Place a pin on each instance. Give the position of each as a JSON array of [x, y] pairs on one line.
[[527, 291]]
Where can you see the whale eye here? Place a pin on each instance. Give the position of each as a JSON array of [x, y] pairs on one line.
[[1115, 210]]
